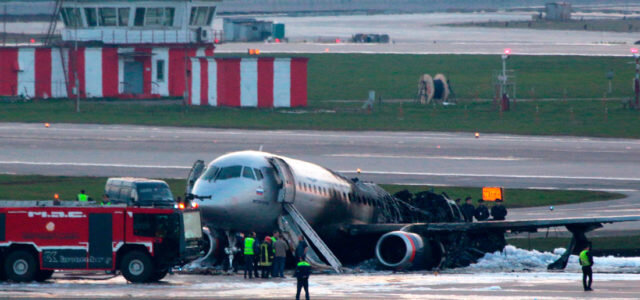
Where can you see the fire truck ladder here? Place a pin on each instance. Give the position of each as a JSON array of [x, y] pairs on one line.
[[53, 22], [303, 227]]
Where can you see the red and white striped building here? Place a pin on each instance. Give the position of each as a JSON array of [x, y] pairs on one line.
[[249, 82], [148, 49]]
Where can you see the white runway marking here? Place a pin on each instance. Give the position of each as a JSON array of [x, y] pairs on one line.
[[75, 164], [509, 158]]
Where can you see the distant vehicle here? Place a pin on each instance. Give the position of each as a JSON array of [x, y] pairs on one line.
[[143, 243], [139, 192]]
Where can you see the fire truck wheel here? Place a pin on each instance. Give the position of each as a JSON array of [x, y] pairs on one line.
[[158, 275], [20, 266], [43, 275], [137, 267]]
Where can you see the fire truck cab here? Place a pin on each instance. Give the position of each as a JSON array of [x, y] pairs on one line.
[[142, 243]]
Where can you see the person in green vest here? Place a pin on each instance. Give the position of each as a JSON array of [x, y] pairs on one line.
[[249, 252], [105, 200], [82, 197], [266, 257], [303, 271], [586, 261]]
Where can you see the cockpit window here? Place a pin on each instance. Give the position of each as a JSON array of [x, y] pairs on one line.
[[258, 174], [248, 173], [210, 173], [229, 172]]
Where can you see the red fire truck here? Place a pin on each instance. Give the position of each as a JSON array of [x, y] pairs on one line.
[[141, 242]]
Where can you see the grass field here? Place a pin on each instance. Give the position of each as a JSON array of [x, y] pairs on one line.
[[395, 76], [577, 118], [34, 187], [610, 25], [350, 76]]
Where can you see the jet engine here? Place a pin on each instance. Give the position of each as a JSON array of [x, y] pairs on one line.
[[407, 250]]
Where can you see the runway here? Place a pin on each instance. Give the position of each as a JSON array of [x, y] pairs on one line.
[[383, 285], [384, 157]]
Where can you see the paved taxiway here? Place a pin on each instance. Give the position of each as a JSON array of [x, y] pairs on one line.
[[423, 285], [387, 157]]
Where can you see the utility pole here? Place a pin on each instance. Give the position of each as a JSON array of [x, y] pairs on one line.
[[75, 60], [504, 102], [636, 81]]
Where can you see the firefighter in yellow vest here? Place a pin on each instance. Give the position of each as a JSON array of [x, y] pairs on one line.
[[586, 261], [266, 257], [249, 255], [82, 197]]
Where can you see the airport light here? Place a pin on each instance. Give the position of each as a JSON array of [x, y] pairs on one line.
[[507, 51]]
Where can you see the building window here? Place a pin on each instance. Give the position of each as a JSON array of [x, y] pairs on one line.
[[92, 18], [160, 16], [123, 16], [169, 12], [139, 18], [200, 16], [154, 16], [160, 70], [107, 16], [71, 17]]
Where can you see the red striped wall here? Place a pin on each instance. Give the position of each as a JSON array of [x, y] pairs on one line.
[[8, 71], [204, 82], [177, 67], [228, 82], [110, 72], [76, 65], [43, 72], [265, 82], [299, 81]]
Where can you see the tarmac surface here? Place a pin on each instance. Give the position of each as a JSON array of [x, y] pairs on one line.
[[423, 285], [384, 157], [426, 34], [425, 158]]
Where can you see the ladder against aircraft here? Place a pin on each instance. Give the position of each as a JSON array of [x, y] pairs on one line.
[[293, 225]]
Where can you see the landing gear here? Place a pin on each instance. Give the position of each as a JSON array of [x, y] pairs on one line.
[[231, 251]]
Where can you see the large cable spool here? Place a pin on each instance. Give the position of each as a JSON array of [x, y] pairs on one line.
[[440, 88], [425, 89]]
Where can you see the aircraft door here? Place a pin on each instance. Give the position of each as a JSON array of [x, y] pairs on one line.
[[287, 192], [194, 174]]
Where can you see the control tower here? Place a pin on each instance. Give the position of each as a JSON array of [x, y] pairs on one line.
[[122, 22]]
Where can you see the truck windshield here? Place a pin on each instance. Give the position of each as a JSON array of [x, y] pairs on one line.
[[156, 225], [154, 192]]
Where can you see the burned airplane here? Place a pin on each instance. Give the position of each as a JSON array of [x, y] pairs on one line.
[[348, 220]]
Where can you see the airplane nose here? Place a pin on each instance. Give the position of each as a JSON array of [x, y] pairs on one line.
[[236, 206]]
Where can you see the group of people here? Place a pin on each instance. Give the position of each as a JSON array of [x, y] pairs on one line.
[[269, 257], [481, 212], [83, 197]]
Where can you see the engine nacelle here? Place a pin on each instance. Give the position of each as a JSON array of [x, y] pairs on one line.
[[406, 250]]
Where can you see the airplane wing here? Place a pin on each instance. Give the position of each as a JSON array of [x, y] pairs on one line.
[[507, 226], [487, 229]]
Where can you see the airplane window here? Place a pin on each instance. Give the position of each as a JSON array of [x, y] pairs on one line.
[[210, 173], [258, 174], [229, 172], [344, 196], [248, 173]]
